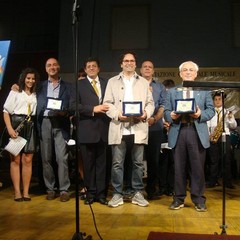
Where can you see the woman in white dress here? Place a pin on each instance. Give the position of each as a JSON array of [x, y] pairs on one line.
[[21, 105]]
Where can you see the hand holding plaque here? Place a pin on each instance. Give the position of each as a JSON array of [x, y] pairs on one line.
[[185, 106], [132, 109], [54, 104]]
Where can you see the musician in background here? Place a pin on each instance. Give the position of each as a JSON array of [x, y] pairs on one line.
[[214, 152], [19, 105]]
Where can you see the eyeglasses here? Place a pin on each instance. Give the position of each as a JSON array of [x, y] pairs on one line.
[[129, 61]]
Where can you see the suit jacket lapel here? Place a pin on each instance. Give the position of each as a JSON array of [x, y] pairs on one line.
[[62, 88], [103, 86], [88, 85], [179, 92], [45, 88]]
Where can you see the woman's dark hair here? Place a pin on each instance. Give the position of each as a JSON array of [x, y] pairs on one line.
[[23, 75], [124, 54]]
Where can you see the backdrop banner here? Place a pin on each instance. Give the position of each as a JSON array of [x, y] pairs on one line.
[[4, 48]]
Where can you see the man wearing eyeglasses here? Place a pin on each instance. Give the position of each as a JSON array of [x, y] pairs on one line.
[[188, 137], [130, 104]]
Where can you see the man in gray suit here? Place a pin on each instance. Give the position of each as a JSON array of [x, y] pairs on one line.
[[189, 138]]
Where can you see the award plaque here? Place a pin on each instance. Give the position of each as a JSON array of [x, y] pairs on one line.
[[185, 106], [54, 104], [133, 109]]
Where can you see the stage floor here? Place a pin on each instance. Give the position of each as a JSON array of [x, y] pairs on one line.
[[44, 220]]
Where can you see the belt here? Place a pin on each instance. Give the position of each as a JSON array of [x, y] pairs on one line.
[[188, 124]]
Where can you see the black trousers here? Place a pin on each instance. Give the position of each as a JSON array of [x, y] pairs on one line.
[[94, 167], [215, 163], [152, 154], [189, 160]]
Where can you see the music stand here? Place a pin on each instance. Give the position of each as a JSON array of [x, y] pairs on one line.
[[221, 86]]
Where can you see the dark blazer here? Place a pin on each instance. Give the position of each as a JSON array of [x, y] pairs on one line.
[[64, 94], [91, 126]]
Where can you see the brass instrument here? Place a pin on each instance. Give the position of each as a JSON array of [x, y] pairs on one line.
[[217, 132], [21, 124], [27, 118]]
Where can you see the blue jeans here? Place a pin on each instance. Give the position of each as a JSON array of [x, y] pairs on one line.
[[118, 156]]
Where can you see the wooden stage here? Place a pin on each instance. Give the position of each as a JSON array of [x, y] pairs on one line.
[[44, 220]]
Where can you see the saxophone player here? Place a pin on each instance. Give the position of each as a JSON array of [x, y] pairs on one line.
[[215, 132]]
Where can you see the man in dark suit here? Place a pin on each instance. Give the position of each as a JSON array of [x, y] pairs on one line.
[[93, 131], [188, 137], [53, 98]]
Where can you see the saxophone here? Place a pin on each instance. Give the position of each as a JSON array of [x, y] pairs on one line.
[[217, 132], [21, 124]]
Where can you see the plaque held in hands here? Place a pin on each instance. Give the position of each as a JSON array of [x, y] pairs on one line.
[[185, 106], [132, 109]]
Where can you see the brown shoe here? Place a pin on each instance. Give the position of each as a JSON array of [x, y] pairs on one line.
[[51, 195], [64, 197]]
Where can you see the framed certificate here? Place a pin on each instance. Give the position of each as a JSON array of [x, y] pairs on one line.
[[133, 109], [54, 104], [185, 106]]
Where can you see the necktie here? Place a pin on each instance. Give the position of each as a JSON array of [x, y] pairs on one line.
[[218, 114], [95, 86]]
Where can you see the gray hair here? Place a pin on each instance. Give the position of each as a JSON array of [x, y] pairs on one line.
[[194, 64]]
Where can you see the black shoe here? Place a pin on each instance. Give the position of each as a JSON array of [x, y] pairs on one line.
[[18, 199], [83, 194], [88, 201], [103, 201], [201, 207], [26, 199], [176, 205]]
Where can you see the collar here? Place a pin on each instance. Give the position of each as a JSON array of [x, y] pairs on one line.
[[90, 79], [59, 80], [121, 75]]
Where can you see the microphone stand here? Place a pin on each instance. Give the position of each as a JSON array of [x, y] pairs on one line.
[[223, 158], [75, 15], [201, 84]]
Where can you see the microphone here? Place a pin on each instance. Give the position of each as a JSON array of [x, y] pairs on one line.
[[74, 6], [74, 12]]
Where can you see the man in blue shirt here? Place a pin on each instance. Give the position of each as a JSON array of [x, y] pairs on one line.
[[152, 150]]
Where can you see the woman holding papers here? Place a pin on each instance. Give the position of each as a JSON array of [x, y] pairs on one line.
[[19, 110]]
